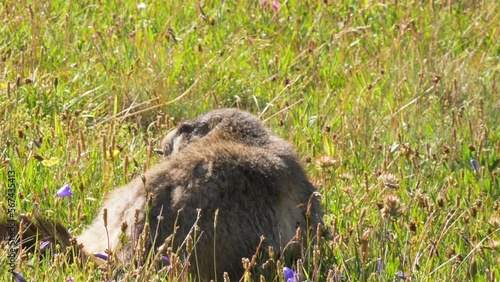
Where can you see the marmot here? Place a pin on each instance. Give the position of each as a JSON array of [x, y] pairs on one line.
[[224, 165]]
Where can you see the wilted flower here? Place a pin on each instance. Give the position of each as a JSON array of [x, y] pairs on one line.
[[473, 162], [64, 191], [101, 256], [325, 161], [18, 277], [401, 276], [289, 275], [389, 180], [391, 207], [495, 245], [44, 245], [495, 222]]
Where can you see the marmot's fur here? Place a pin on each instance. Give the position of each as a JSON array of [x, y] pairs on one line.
[[223, 165]]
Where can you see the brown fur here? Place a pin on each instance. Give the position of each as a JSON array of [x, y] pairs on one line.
[[44, 228], [224, 160]]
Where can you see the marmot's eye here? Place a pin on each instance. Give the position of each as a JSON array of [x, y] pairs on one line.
[[186, 128]]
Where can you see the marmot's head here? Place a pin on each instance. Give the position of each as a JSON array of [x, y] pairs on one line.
[[224, 124]]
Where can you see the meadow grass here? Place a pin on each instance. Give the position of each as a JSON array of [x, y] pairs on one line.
[[388, 104]]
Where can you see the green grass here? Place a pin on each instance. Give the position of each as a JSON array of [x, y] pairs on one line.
[[401, 88]]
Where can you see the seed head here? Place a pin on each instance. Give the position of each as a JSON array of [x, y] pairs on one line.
[[124, 226], [105, 217], [189, 244], [412, 226]]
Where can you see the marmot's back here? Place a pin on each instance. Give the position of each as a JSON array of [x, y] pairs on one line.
[[227, 160]]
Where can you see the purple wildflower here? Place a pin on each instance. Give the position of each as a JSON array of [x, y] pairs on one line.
[[379, 266], [18, 277], [64, 191], [336, 277], [165, 260], [401, 276], [264, 3], [44, 245], [473, 162], [101, 256], [289, 275]]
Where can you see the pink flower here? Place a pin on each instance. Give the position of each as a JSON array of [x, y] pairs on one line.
[[265, 3], [276, 5]]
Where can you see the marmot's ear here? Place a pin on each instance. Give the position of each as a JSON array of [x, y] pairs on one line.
[[214, 121]]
